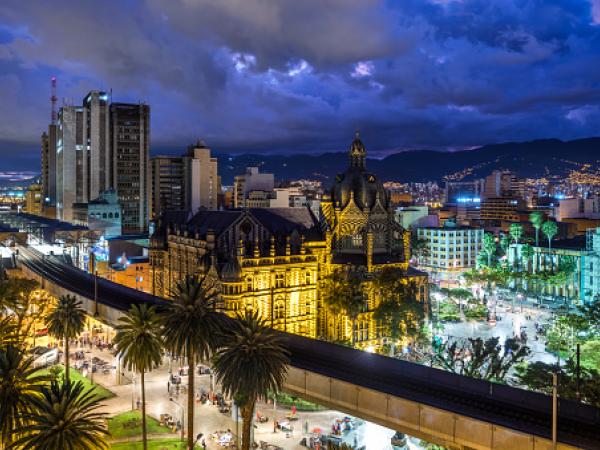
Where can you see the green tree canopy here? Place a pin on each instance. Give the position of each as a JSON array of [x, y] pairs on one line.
[[481, 359]]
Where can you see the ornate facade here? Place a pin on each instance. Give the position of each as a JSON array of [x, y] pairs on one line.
[[272, 260]]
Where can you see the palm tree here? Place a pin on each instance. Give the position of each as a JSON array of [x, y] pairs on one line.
[[537, 219], [516, 232], [139, 343], [527, 254], [64, 416], [355, 302], [489, 247], [191, 327], [66, 322], [550, 229], [20, 384], [251, 363], [334, 292]]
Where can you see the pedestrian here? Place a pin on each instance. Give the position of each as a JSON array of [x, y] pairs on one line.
[[168, 387]]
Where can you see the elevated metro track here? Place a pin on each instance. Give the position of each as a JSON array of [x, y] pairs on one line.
[[445, 408]]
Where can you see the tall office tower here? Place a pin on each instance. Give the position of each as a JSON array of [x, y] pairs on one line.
[[49, 166], [69, 161], [202, 183], [187, 182], [168, 184], [100, 146], [130, 133], [97, 164], [252, 180], [83, 154]]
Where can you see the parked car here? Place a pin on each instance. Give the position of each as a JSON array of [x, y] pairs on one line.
[[44, 356]]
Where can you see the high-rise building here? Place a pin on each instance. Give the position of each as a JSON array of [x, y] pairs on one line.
[[69, 161], [99, 147], [49, 166], [202, 183], [189, 182], [168, 184], [130, 136], [250, 181]]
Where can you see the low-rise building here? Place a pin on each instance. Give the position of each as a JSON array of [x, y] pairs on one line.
[[102, 214], [450, 249], [34, 199]]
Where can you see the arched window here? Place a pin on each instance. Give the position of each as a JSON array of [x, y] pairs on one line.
[[249, 283], [279, 310], [110, 215]]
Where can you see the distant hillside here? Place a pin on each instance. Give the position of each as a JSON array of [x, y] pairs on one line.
[[527, 159]]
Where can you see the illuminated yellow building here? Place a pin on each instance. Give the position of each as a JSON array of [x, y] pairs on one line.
[[33, 199], [272, 260]]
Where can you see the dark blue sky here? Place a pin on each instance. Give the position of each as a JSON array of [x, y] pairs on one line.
[[300, 76]]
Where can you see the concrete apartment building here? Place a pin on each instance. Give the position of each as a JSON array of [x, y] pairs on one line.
[[251, 180], [102, 146], [451, 248], [189, 182]]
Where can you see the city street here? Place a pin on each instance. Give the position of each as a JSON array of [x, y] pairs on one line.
[[208, 418]]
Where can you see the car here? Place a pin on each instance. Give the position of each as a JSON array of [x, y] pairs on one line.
[[44, 356]]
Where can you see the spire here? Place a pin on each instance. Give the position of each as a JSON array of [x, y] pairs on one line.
[[358, 153]]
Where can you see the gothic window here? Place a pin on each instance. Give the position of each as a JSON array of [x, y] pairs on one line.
[[249, 283], [279, 280], [307, 277], [357, 240], [279, 310]]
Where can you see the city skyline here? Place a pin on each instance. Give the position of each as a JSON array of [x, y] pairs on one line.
[[250, 78]]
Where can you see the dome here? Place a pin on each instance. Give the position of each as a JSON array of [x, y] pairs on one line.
[[231, 270], [356, 182]]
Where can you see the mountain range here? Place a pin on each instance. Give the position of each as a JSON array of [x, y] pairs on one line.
[[534, 159]]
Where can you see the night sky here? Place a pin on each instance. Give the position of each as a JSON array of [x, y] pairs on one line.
[[301, 75]]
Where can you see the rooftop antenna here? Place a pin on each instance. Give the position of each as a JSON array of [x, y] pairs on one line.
[[53, 101]]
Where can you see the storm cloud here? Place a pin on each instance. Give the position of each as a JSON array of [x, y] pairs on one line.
[[301, 76]]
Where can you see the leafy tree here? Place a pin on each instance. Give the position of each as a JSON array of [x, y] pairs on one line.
[[516, 232], [334, 292], [550, 229], [66, 322], [20, 385], [64, 416], [418, 247], [139, 343], [356, 301], [489, 247], [527, 254], [537, 219], [481, 359], [504, 243], [401, 313], [537, 376], [191, 327], [251, 362]]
